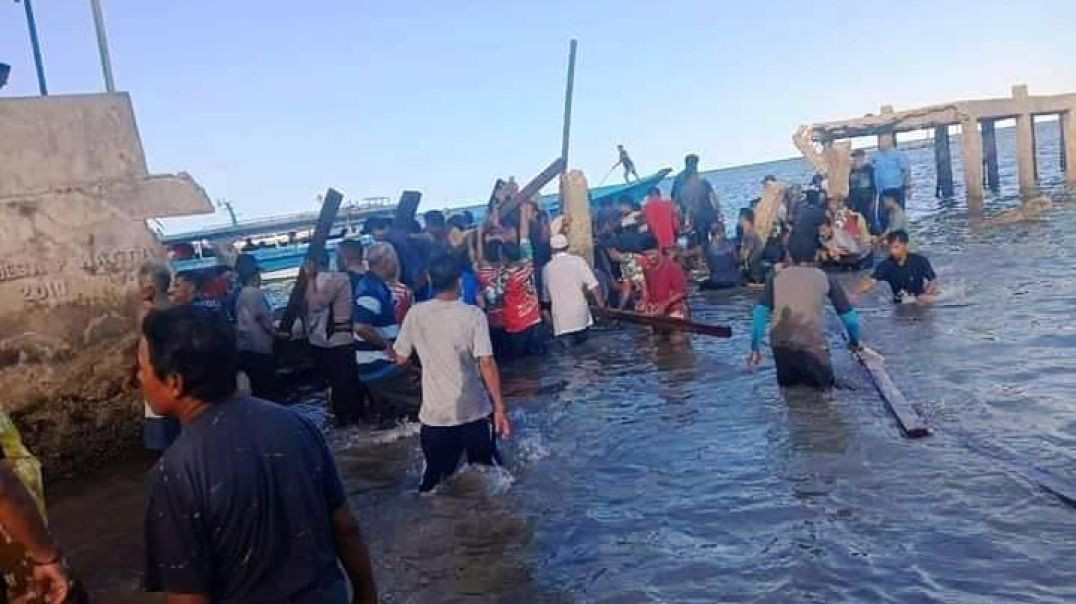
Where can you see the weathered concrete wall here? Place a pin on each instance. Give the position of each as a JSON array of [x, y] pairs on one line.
[[74, 197]]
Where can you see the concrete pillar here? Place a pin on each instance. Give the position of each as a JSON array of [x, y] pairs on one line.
[[1025, 143], [971, 144], [990, 155], [1068, 143], [943, 163], [575, 203]]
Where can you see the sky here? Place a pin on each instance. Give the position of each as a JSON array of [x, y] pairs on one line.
[[268, 103]]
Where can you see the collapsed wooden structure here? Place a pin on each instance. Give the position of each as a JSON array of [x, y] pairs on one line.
[[977, 119]]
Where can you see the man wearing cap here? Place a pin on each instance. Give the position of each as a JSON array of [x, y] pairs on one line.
[[795, 298], [566, 280]]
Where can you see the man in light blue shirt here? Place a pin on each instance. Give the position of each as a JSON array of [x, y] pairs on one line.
[[892, 174]]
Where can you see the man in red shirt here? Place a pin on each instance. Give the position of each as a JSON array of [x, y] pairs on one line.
[[522, 310], [661, 218], [666, 284]]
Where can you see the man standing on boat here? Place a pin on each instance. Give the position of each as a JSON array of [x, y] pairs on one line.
[[796, 296], [625, 162]]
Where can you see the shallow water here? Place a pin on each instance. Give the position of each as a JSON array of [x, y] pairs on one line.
[[649, 469]]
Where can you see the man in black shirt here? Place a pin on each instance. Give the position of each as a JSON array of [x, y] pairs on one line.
[[862, 194], [246, 505], [906, 273]]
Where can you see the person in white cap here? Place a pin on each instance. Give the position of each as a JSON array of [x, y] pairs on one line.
[[566, 281]]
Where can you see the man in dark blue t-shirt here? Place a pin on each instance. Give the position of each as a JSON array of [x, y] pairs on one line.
[[906, 273], [246, 505]]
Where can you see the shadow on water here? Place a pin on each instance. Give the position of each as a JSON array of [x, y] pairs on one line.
[[651, 469]]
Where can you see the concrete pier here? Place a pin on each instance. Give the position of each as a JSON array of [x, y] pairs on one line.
[[969, 115], [942, 163], [575, 202], [75, 193]]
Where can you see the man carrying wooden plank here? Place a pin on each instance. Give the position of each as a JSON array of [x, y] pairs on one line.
[[797, 296]]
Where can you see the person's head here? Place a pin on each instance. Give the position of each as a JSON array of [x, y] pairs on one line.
[[154, 279], [382, 261], [457, 222], [186, 356], [767, 179], [654, 193], [186, 286], [493, 251], [897, 242], [859, 158], [620, 147], [650, 247], [435, 222], [691, 162], [717, 230], [247, 270], [825, 229], [445, 274], [559, 243], [802, 250], [747, 220], [349, 255], [887, 141], [890, 203]]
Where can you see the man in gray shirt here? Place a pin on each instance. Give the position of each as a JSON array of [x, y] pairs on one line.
[[452, 341]]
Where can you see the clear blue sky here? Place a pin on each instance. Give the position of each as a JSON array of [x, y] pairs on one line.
[[267, 103]]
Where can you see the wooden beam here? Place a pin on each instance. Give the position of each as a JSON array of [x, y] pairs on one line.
[[406, 210], [565, 135], [971, 144], [533, 187], [990, 155], [719, 331], [943, 163], [909, 421], [838, 167], [329, 207]]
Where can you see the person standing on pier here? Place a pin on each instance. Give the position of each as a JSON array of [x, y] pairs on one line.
[[452, 341], [796, 296], [862, 194], [625, 162], [247, 504], [892, 173]]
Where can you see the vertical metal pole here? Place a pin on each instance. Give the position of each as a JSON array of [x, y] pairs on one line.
[[36, 45], [568, 103], [102, 45]]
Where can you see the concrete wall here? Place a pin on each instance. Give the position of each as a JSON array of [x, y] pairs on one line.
[[74, 197]]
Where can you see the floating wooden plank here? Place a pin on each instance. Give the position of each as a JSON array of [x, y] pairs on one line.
[[329, 207], [719, 331], [910, 423], [533, 187], [405, 210]]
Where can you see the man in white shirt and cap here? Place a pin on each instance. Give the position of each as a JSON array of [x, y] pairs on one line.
[[567, 279]]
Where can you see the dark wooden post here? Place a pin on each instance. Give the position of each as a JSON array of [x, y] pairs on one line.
[[329, 207], [943, 163], [990, 155], [1062, 122], [569, 87]]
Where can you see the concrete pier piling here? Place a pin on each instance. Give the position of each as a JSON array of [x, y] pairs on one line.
[[971, 116]]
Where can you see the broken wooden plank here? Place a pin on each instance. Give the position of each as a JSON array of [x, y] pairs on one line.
[[910, 422], [406, 210], [329, 207], [533, 187], [719, 331]]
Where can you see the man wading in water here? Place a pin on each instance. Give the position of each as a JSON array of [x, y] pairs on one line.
[[452, 341], [797, 295]]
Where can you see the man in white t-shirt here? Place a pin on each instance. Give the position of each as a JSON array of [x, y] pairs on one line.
[[452, 341], [566, 281]]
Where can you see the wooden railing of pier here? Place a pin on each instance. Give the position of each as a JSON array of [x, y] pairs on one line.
[[976, 119]]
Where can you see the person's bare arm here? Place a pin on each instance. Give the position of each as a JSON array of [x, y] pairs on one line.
[[492, 377], [370, 334], [354, 555], [865, 285], [24, 525]]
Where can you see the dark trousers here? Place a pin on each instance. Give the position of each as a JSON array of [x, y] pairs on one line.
[[337, 366], [796, 367], [530, 341], [883, 215], [442, 447], [711, 284], [261, 370]]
